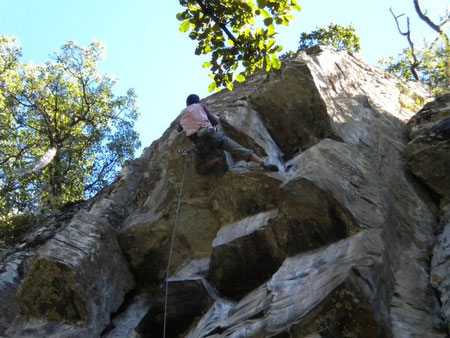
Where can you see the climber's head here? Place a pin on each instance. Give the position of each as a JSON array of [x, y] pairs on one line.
[[191, 99]]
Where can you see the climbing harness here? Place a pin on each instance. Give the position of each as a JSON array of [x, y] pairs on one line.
[[180, 198]]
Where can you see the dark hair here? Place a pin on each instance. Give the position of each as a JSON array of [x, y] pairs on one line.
[[191, 99]]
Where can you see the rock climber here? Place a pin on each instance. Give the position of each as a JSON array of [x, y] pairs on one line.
[[200, 126]]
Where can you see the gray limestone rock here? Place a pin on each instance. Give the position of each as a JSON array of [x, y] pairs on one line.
[[124, 323], [244, 255], [188, 298], [79, 277], [429, 150], [12, 271], [290, 102], [208, 203], [309, 292], [31, 327], [440, 266]]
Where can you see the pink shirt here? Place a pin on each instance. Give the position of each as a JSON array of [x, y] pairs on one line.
[[193, 117]]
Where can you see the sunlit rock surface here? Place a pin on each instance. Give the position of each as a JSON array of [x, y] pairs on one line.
[[343, 241], [321, 291]]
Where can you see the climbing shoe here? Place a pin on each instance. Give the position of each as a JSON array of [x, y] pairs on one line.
[[269, 167], [211, 164]]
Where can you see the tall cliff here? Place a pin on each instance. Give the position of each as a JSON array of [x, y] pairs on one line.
[[351, 238]]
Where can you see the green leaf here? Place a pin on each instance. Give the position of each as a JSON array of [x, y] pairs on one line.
[[268, 63], [240, 78], [207, 64], [270, 44], [275, 62], [229, 85], [262, 3], [261, 44], [268, 21], [212, 87], [264, 13], [185, 25]]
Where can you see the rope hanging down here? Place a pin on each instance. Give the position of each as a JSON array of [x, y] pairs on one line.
[[180, 198]]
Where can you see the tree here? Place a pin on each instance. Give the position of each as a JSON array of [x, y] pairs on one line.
[[337, 36], [236, 33], [429, 63], [9, 53], [64, 134]]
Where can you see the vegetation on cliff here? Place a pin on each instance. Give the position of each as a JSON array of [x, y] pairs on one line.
[[63, 133]]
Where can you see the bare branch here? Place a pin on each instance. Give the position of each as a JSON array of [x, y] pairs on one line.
[[437, 28], [425, 18], [415, 62]]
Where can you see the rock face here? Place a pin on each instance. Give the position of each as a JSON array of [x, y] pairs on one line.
[[429, 150], [440, 272], [80, 276], [343, 241], [428, 156]]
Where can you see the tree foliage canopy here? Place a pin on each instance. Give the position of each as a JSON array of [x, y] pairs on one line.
[[431, 65], [63, 133], [337, 36], [236, 33]]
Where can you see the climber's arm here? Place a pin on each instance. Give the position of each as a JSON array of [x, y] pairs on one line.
[[213, 118]]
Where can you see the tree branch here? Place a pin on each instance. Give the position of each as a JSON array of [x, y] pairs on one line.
[[437, 28], [16, 156], [425, 18], [101, 173], [415, 62], [222, 26]]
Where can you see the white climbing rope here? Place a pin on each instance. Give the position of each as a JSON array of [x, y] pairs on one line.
[[174, 231]]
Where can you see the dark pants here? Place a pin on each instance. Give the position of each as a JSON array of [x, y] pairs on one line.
[[209, 139]]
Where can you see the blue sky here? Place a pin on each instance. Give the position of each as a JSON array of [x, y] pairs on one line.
[[146, 51]]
